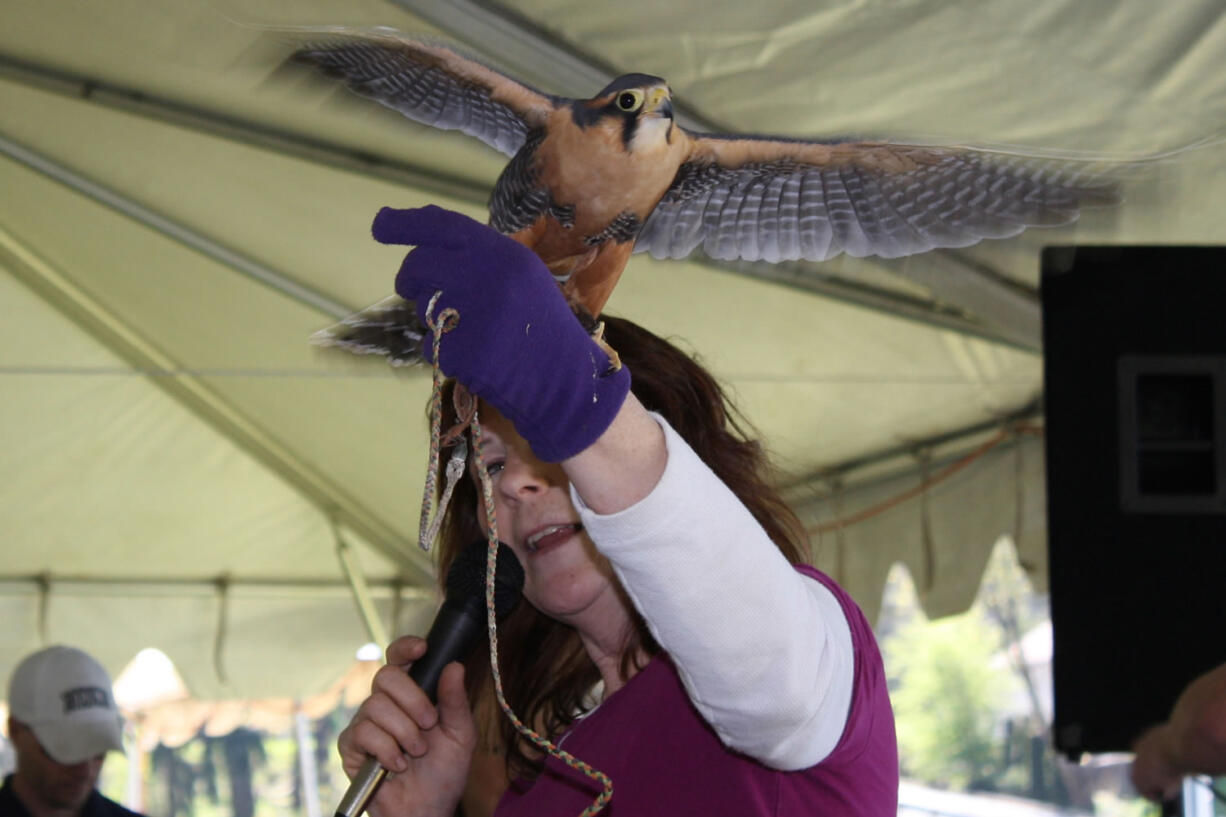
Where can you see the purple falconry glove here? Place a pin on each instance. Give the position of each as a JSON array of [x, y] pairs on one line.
[[517, 344]]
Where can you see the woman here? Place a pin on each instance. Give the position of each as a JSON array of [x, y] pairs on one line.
[[668, 640]]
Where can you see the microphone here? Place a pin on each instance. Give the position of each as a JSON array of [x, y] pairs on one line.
[[458, 627]]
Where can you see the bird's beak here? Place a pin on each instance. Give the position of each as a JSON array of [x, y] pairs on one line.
[[659, 103]]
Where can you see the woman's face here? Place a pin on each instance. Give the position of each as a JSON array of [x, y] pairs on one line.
[[564, 576]]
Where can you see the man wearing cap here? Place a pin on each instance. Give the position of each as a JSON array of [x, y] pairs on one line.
[[62, 722]]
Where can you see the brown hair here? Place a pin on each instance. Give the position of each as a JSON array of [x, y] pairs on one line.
[[545, 672]]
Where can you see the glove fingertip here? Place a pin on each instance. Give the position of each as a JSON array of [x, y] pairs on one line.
[[429, 226], [389, 226]]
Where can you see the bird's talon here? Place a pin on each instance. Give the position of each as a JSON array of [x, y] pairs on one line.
[[615, 361]]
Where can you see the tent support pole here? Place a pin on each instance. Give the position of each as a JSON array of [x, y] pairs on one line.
[[360, 590]]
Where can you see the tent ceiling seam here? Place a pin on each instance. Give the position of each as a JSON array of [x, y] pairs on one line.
[[244, 131], [25, 584], [531, 51], [839, 473], [113, 333], [932, 313], [187, 236]]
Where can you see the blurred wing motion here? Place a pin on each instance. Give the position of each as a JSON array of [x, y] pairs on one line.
[[431, 84], [389, 328], [592, 180], [760, 199]]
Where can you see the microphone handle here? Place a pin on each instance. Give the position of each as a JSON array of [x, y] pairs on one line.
[[452, 637], [361, 789]]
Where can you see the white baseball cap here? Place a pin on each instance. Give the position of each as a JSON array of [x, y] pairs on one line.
[[65, 697]]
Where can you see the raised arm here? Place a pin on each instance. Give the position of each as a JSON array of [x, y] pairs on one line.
[[764, 651], [624, 464]]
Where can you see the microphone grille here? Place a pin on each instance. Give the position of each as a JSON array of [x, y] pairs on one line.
[[466, 578]]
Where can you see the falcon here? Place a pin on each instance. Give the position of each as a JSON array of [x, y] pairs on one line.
[[590, 181]]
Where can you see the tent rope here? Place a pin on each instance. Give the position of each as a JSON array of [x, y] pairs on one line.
[[940, 476], [44, 606], [223, 627]]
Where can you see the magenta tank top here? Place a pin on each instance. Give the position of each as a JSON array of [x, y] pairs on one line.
[[664, 759]]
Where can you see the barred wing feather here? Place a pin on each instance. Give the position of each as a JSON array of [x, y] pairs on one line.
[[862, 199], [433, 85]]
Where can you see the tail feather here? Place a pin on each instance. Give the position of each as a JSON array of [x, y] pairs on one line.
[[389, 328]]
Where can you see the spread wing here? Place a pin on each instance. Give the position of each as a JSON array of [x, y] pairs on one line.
[[432, 84], [779, 200]]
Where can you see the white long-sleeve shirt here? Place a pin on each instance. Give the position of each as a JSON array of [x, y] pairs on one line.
[[765, 652]]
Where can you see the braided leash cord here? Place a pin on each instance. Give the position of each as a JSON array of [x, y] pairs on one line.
[[447, 320]]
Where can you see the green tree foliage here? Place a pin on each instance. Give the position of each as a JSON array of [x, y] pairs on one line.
[[946, 694]]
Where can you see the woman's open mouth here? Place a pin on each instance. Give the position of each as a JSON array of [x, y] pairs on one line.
[[551, 536]]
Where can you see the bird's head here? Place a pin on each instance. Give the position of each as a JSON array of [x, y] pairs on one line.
[[638, 105]]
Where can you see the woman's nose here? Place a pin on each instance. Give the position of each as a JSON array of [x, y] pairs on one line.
[[520, 476]]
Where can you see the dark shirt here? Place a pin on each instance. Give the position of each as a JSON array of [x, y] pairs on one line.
[[95, 806]]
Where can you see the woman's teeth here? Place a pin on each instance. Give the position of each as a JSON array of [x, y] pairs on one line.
[[534, 541]]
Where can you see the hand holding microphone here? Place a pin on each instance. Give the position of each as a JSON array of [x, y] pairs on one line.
[[427, 746]]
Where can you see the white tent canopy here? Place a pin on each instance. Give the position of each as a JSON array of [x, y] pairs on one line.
[[176, 217]]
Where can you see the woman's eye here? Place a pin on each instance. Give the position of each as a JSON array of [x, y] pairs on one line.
[[492, 468]]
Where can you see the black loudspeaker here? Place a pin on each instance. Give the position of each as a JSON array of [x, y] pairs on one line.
[[1134, 350]]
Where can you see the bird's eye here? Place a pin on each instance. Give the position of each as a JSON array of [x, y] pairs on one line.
[[630, 100]]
